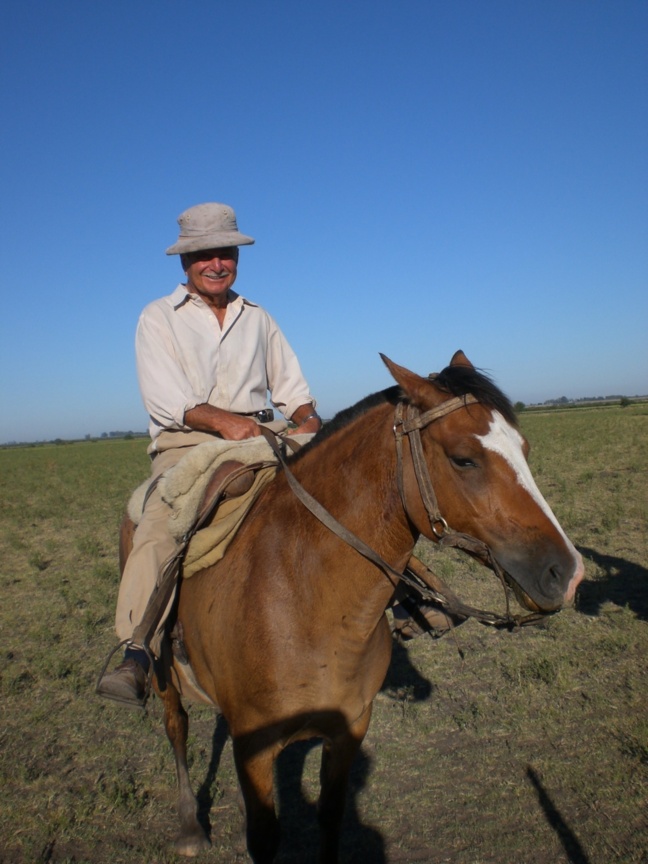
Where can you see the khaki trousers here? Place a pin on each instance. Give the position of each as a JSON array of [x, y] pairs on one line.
[[153, 544]]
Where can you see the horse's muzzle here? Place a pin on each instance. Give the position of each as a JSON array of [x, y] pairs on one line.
[[560, 598]]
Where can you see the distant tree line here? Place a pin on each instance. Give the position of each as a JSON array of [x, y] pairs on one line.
[[129, 434], [563, 402]]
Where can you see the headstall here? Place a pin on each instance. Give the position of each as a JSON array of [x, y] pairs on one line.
[[409, 421]]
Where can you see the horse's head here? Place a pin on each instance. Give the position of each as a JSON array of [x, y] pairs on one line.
[[477, 461]]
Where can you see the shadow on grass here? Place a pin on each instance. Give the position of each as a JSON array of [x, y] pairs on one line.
[[624, 583], [573, 849], [300, 835], [204, 796], [403, 680]]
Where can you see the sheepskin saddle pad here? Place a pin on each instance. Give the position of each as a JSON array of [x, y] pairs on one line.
[[183, 488]]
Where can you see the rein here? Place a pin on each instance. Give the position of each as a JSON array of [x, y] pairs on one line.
[[417, 576]]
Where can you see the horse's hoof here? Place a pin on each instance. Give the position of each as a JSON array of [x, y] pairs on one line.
[[192, 845]]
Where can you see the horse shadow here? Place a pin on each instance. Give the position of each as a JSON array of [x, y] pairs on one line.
[[300, 835], [403, 681], [298, 815], [625, 583]]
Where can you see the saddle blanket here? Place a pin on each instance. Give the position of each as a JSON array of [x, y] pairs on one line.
[[183, 487]]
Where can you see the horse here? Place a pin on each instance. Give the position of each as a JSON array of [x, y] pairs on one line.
[[287, 635]]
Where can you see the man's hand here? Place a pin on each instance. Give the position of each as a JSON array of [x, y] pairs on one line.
[[232, 427]]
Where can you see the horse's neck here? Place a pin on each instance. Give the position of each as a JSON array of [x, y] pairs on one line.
[[353, 475]]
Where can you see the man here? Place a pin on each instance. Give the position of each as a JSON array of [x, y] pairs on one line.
[[206, 359]]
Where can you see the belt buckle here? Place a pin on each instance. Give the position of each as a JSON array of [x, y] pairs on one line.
[[265, 416]]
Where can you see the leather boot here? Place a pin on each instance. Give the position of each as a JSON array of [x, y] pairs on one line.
[[126, 684], [412, 620]]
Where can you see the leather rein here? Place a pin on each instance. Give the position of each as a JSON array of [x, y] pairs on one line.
[[408, 422]]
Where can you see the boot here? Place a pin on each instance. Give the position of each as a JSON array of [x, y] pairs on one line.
[[127, 683], [413, 619]]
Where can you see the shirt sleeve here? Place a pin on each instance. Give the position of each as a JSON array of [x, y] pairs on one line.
[[286, 383], [165, 389]]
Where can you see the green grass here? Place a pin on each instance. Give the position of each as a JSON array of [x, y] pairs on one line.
[[485, 746]]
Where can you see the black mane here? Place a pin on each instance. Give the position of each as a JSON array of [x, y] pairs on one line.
[[461, 380], [347, 415], [454, 380]]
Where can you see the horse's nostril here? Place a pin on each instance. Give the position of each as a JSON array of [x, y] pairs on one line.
[[554, 581]]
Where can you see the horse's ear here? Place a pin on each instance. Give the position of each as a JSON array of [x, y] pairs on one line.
[[416, 387], [460, 359]]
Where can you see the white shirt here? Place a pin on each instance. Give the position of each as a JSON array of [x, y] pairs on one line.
[[184, 359]]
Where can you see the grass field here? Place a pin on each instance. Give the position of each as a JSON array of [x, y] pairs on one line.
[[485, 746]]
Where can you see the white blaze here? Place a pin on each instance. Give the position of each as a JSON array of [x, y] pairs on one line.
[[504, 439]]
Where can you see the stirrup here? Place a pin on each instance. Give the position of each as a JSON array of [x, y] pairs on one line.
[[133, 703]]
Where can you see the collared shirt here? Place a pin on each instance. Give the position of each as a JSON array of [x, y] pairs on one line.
[[184, 359]]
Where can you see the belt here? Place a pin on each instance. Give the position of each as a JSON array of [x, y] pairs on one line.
[[264, 416]]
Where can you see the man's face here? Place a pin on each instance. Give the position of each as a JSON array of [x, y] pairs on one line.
[[211, 272]]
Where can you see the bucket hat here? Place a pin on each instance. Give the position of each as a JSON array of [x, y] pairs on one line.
[[208, 226]]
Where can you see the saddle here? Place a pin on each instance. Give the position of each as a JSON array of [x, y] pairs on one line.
[[209, 492]]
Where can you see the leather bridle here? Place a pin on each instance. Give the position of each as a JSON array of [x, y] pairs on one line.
[[409, 421]]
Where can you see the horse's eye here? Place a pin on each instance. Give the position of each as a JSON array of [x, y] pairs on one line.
[[463, 462]]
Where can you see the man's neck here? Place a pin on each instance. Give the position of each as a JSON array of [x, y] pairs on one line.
[[218, 304]]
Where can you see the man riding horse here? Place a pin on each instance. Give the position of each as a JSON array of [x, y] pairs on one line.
[[206, 360]]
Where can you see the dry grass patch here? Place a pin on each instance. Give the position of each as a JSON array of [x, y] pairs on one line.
[[485, 746]]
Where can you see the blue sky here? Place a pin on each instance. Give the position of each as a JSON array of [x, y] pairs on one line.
[[419, 176]]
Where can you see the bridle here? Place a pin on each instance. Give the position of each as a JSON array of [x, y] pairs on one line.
[[409, 421]]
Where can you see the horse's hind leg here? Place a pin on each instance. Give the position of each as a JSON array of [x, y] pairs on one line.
[[254, 764], [192, 838], [337, 758]]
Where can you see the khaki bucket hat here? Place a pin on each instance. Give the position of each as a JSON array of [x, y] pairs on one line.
[[208, 226]]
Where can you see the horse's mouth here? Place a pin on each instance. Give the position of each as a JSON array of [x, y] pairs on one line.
[[525, 600]]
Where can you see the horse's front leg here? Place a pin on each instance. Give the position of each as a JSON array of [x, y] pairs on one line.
[[254, 765], [337, 757], [192, 838]]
